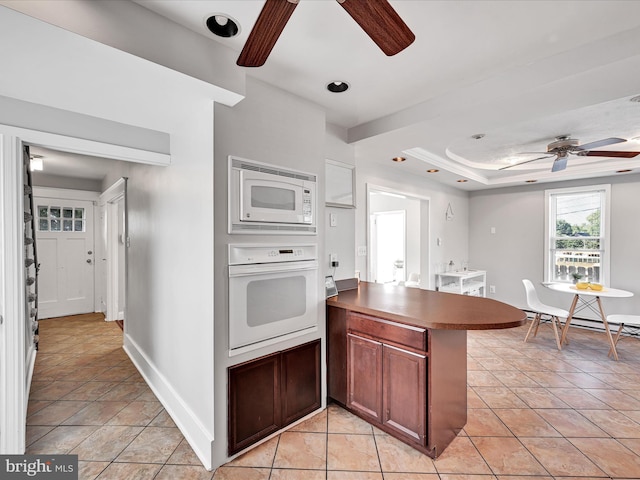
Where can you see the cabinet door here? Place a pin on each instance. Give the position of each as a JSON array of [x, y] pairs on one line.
[[300, 381], [254, 401], [364, 366], [404, 389]]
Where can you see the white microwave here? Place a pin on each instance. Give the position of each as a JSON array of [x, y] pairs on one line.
[[267, 199]]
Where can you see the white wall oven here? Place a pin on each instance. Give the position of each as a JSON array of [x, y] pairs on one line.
[[273, 294], [267, 199]]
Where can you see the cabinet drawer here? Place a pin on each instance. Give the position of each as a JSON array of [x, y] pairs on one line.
[[398, 333]]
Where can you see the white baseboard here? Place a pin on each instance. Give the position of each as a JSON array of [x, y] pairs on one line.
[[31, 363], [193, 430]]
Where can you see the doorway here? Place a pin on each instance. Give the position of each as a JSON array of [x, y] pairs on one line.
[[398, 237], [388, 246], [113, 214], [17, 365]]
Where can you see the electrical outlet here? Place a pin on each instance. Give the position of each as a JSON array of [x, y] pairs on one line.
[[492, 289], [333, 257], [362, 251]]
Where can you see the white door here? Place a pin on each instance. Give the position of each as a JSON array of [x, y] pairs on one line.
[[66, 256]]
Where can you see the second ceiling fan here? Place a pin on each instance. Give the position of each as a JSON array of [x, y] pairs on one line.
[[563, 146], [376, 17]]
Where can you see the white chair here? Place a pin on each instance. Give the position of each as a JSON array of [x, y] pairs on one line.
[[541, 310], [414, 280], [632, 321]]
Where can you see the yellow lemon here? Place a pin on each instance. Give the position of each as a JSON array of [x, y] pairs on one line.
[[582, 285], [595, 286]]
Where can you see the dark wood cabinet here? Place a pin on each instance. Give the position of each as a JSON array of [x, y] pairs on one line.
[[397, 357], [271, 392], [404, 393], [364, 374], [387, 385], [254, 394], [300, 381], [405, 380]]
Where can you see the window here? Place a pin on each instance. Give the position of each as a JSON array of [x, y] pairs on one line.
[[60, 219], [577, 234]]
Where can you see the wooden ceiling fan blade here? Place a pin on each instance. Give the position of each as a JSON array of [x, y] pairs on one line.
[[600, 143], [381, 22], [265, 32], [609, 153], [526, 161]]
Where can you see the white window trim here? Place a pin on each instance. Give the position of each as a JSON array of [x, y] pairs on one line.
[[605, 219]]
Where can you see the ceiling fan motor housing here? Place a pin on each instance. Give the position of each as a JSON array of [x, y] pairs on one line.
[[562, 144]]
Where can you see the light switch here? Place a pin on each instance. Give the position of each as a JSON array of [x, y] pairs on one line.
[[493, 230], [333, 219]]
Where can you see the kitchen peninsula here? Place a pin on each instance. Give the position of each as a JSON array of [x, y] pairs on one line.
[[397, 357]]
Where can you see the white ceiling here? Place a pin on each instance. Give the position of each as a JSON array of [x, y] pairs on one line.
[[520, 72]]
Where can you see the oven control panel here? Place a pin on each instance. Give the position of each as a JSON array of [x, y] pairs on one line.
[[240, 254]]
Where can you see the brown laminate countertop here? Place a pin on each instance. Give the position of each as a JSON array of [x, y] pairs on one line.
[[429, 309]]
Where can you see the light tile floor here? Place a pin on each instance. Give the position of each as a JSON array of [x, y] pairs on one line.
[[534, 414]]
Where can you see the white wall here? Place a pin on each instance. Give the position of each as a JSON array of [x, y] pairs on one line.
[[274, 127], [516, 250], [341, 238], [68, 183], [454, 234]]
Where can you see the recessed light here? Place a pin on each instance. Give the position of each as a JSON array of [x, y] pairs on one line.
[[462, 180], [222, 25], [338, 87], [624, 171], [530, 181], [398, 159], [478, 136], [635, 99], [433, 170]]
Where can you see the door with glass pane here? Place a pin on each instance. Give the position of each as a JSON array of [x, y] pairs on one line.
[[64, 232]]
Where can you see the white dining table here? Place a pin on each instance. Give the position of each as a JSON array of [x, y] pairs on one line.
[[588, 298]]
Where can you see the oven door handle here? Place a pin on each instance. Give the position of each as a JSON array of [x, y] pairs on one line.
[[267, 268]]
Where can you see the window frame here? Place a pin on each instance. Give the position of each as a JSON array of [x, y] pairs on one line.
[[605, 219]]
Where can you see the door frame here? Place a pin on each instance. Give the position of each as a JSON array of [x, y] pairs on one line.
[[108, 202], [15, 375], [425, 276], [14, 367]]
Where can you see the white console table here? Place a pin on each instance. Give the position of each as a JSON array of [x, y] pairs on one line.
[[464, 282]]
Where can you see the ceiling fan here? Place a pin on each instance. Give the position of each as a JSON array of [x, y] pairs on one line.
[[563, 146], [376, 17]]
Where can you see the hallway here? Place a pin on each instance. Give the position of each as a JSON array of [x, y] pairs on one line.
[[88, 399]]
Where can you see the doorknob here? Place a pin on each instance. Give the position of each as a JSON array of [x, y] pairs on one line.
[[89, 252], [88, 260]]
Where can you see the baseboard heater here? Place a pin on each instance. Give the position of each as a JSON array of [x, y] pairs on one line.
[[596, 325]]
